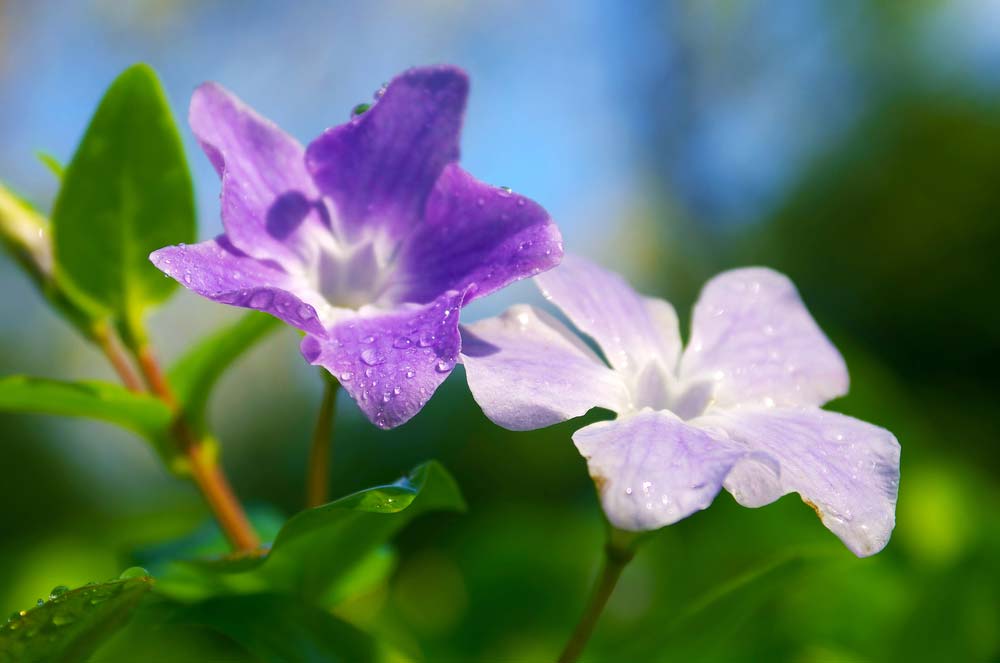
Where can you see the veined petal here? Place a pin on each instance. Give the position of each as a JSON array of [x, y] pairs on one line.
[[379, 168], [270, 206], [632, 330], [846, 469], [753, 336], [391, 363], [527, 371], [475, 236], [219, 271], [652, 469]]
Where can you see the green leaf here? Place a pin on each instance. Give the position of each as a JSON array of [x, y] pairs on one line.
[[72, 623], [278, 628], [322, 551], [194, 374], [143, 414], [53, 164], [126, 192]]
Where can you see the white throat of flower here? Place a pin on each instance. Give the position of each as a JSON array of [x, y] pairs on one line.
[[658, 388]]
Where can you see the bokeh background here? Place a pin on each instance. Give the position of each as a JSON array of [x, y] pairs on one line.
[[853, 144]]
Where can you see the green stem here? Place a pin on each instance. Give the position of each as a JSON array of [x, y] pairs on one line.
[[318, 470], [618, 552]]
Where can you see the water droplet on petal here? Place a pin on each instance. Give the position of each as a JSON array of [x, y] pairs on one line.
[[261, 299], [371, 357], [443, 366], [386, 397], [506, 189], [346, 376], [402, 342], [410, 373], [426, 340], [306, 312], [368, 339]]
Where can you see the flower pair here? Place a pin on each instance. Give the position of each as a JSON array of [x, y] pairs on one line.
[[372, 239]]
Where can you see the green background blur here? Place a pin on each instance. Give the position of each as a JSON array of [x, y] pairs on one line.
[[854, 146]]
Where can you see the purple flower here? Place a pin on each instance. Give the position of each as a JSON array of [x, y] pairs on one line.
[[738, 408], [370, 240]]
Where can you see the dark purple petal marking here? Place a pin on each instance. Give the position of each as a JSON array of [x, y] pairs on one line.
[[392, 363], [754, 337], [380, 167], [475, 235], [268, 207], [219, 271]]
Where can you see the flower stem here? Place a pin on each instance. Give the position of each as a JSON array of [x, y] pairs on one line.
[[205, 469], [318, 470], [618, 552], [115, 353]]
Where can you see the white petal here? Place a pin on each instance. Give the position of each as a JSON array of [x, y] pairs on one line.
[[632, 330], [846, 469], [753, 336], [527, 370], [652, 469]]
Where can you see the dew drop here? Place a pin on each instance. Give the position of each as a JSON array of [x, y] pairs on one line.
[[426, 340], [187, 278], [396, 390], [402, 342], [507, 190], [410, 373], [386, 397], [371, 357], [39, 603], [261, 299], [346, 376], [443, 366], [58, 591], [62, 619], [133, 572], [306, 312], [368, 339]]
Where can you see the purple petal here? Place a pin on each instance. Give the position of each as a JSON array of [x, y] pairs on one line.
[[391, 363], [380, 167], [477, 235], [219, 271], [652, 469], [754, 337], [632, 330], [527, 371], [268, 198], [846, 469]]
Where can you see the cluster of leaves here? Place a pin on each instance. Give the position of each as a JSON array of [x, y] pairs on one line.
[[126, 192]]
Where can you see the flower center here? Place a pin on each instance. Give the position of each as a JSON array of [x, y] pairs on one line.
[[658, 389]]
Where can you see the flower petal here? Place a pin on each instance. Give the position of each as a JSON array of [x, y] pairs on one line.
[[269, 201], [752, 334], [527, 371], [475, 235], [380, 167], [391, 363], [219, 271], [632, 330], [652, 469], [846, 469]]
